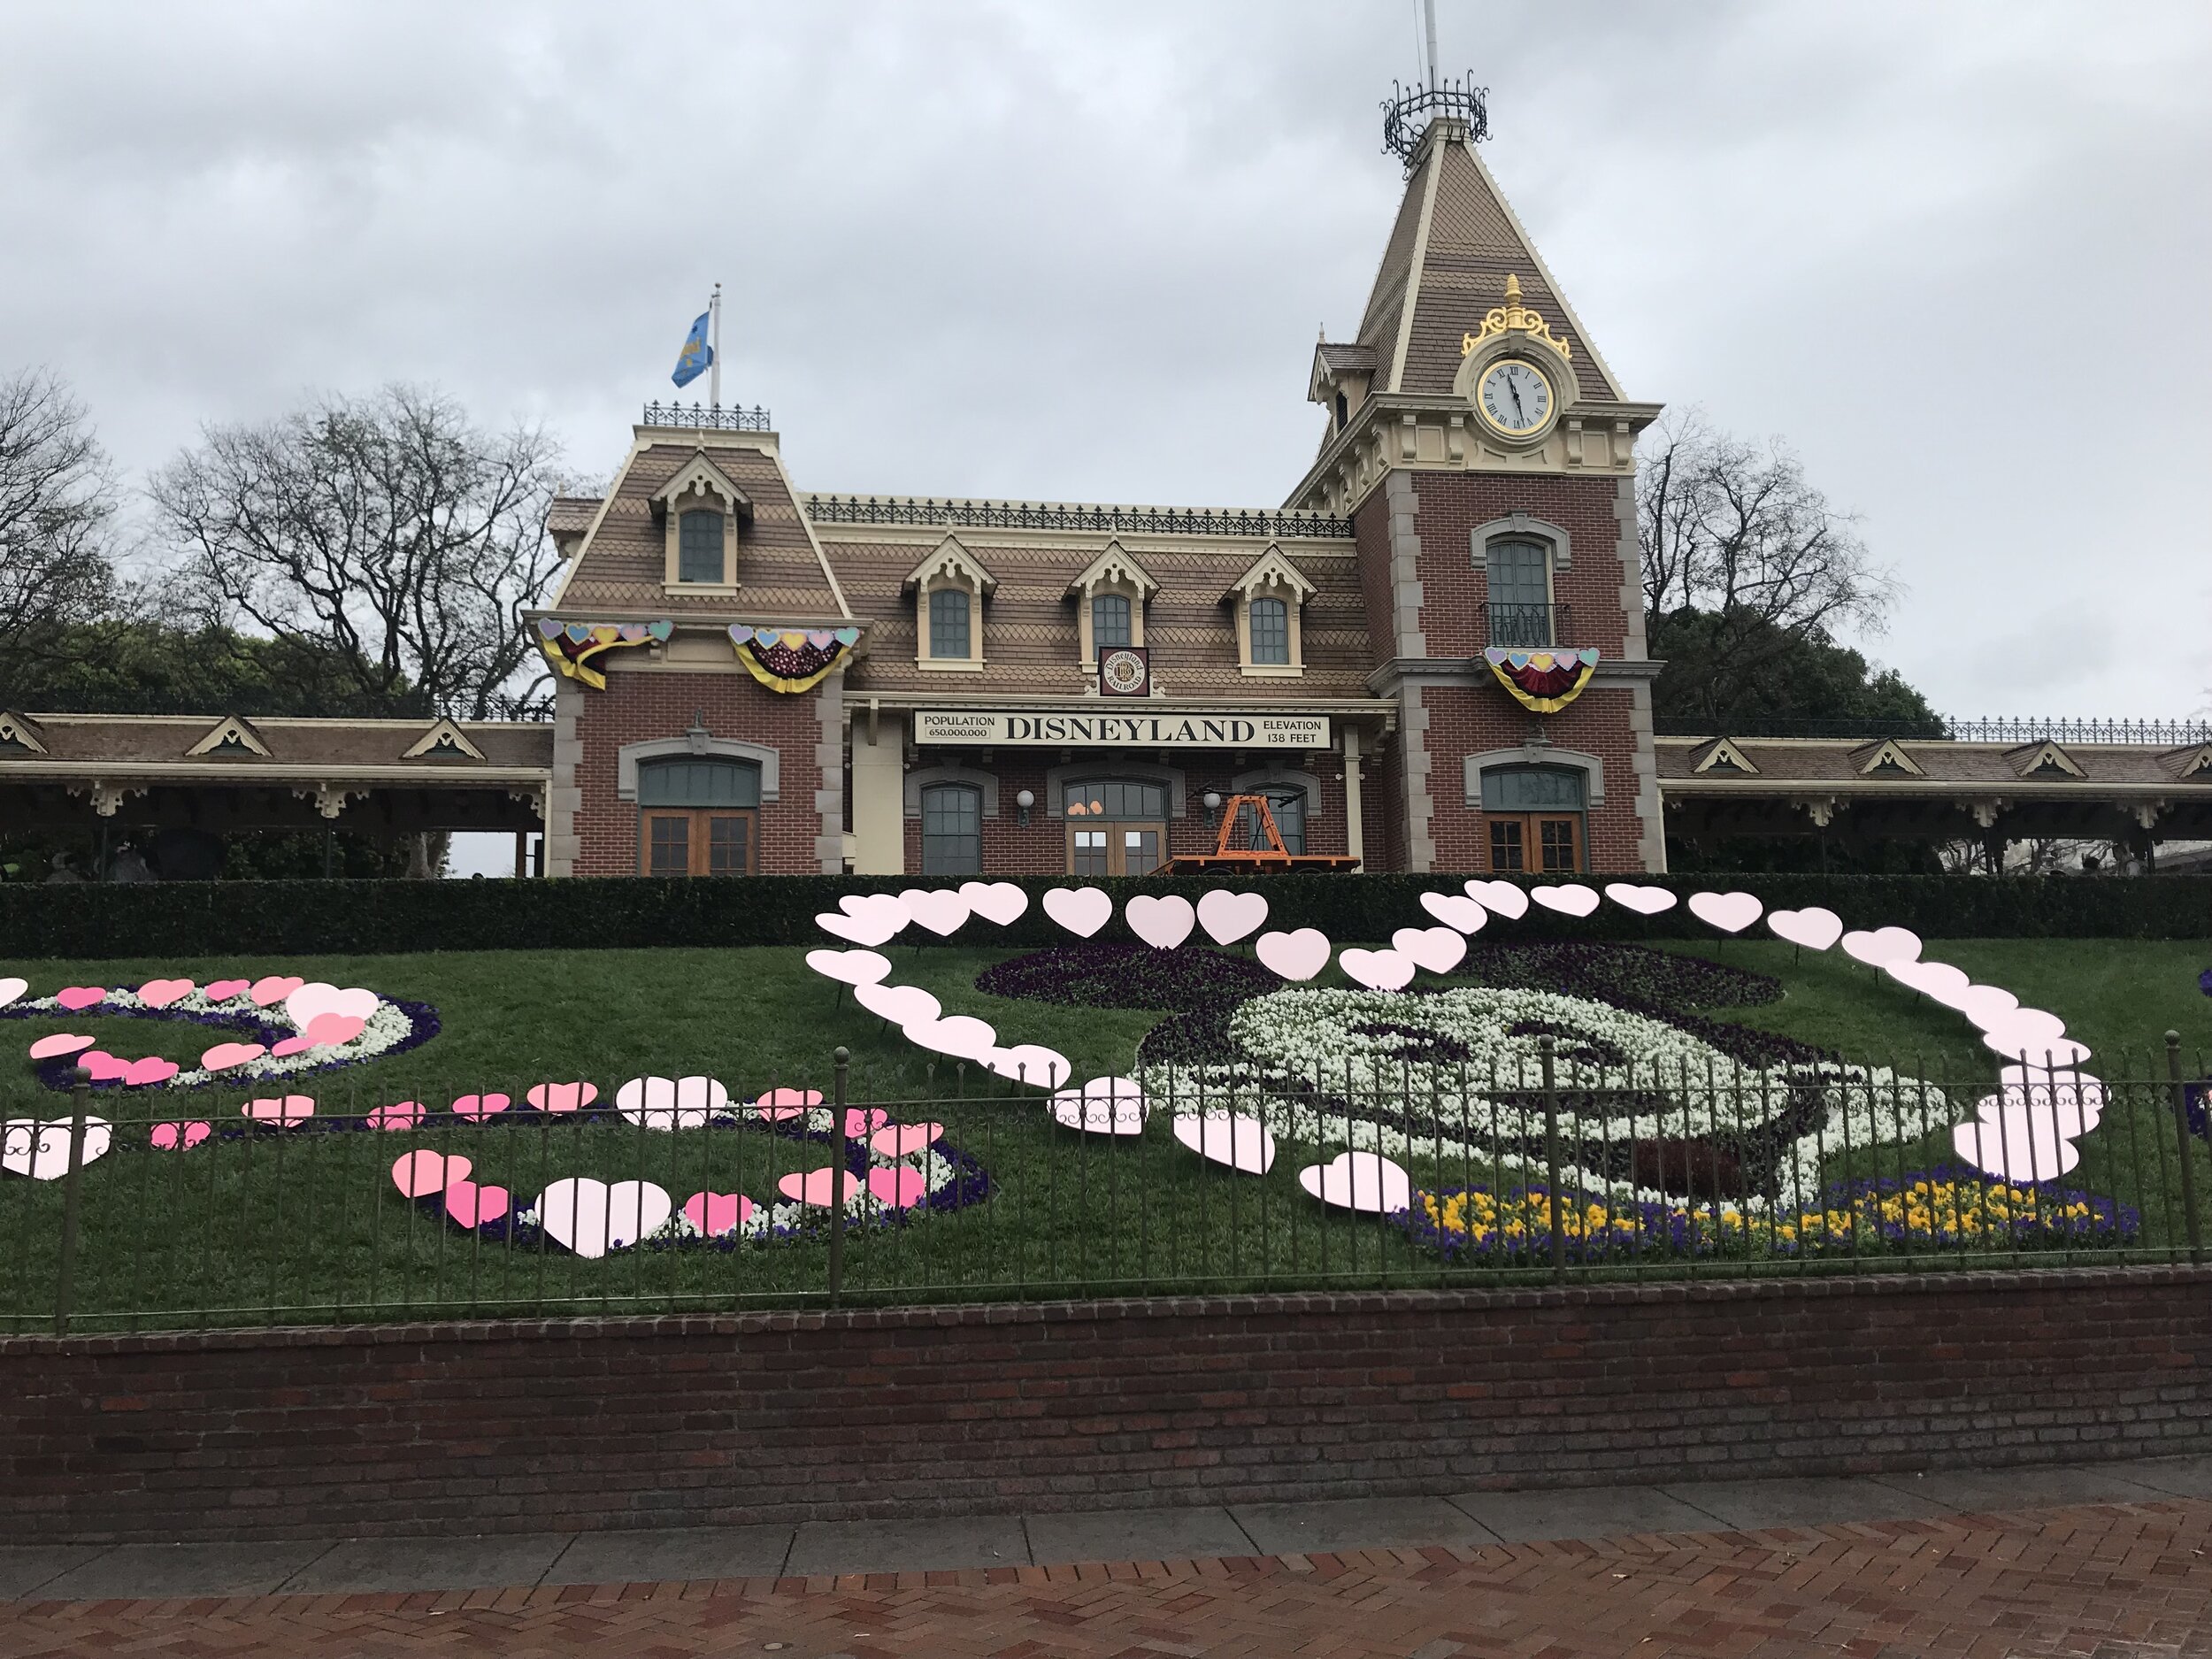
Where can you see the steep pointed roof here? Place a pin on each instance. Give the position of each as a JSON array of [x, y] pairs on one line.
[[1455, 241]]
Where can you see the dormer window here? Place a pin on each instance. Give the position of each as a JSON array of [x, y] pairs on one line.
[[1269, 598], [1109, 597], [700, 510], [949, 587]]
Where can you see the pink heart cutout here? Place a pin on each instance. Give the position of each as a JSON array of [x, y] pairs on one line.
[[941, 910], [104, 1067], [161, 993], [472, 1205], [329, 1030], [60, 1042], [899, 1141], [1814, 928], [165, 1136], [476, 1107], [1643, 900], [223, 990], [399, 1115], [860, 1124], [1162, 923], [901, 1189], [293, 1109], [1377, 970], [152, 1069], [224, 1056], [1364, 1181], [901, 1004], [1730, 912], [1499, 898], [1455, 911], [419, 1174], [1570, 898], [997, 902], [814, 1186], [76, 998], [1228, 917], [274, 988], [290, 1047], [716, 1213], [1082, 911], [562, 1097], [1294, 956], [1439, 949], [779, 1103]]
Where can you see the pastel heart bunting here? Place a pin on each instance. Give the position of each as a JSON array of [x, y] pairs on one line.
[[846, 636]]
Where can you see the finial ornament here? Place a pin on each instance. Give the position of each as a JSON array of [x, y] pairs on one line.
[[1514, 318]]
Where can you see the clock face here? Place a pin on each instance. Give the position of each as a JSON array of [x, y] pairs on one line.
[[1514, 397]]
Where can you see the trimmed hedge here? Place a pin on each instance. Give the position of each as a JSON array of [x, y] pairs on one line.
[[377, 918]]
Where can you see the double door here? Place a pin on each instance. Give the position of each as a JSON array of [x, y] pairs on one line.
[[699, 841], [1115, 849], [1549, 843]]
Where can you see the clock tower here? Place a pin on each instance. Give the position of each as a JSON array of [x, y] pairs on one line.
[[1485, 454]]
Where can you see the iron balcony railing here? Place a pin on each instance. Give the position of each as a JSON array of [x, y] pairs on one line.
[[1010, 515], [699, 417], [200, 1210], [1525, 627]]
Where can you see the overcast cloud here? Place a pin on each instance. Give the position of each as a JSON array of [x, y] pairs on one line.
[[1957, 255]]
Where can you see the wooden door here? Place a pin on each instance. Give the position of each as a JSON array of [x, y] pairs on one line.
[[1115, 849], [696, 842]]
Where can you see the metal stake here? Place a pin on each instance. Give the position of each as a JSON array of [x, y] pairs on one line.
[[80, 1097], [2181, 1130]]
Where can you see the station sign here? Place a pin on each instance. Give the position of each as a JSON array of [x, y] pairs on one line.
[[1224, 728]]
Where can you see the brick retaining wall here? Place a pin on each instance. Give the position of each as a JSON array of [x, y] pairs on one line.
[[784, 1417]]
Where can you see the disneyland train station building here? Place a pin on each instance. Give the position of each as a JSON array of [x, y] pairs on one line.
[[1430, 659]]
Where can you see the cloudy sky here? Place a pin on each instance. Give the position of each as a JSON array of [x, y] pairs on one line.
[[1956, 254]]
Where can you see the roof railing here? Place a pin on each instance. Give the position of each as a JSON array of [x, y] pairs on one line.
[[700, 418], [2002, 729], [1260, 523]]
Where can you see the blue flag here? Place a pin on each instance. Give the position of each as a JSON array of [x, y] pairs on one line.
[[694, 359]]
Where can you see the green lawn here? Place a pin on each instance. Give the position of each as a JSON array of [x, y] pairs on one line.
[[251, 1226]]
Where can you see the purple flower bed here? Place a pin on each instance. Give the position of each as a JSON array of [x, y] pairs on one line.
[[1129, 976]]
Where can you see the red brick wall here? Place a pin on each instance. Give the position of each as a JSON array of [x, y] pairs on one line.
[[639, 707], [783, 1416], [1465, 721]]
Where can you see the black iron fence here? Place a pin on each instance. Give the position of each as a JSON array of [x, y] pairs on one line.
[[1012, 514], [243, 1207], [702, 417], [1523, 628]]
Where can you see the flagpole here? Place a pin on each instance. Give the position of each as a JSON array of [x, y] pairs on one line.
[[714, 363]]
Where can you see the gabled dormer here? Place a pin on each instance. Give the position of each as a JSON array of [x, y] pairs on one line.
[[1342, 374], [1722, 755], [2046, 761], [1109, 597], [19, 736], [228, 736], [443, 741], [700, 509], [2189, 763], [1885, 759], [949, 587], [1270, 601]]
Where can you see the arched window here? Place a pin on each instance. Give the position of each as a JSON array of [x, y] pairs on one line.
[[698, 815], [948, 634], [1115, 827], [1534, 816], [699, 547], [952, 829], [1271, 631], [1519, 576], [1109, 621]]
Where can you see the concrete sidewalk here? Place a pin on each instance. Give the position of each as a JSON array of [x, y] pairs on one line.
[[523, 1560]]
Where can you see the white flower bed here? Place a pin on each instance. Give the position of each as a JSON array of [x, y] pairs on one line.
[[1295, 1044], [385, 1027]]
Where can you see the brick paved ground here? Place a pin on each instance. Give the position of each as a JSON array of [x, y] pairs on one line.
[[2105, 1581]]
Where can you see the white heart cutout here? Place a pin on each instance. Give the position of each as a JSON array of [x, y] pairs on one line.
[[1082, 911], [590, 1218], [962, 1036], [867, 929], [1884, 944], [1364, 1181], [40, 1150], [939, 910], [2017, 1146], [1454, 911], [10, 988], [901, 1004], [1643, 900], [1103, 1106], [1439, 949], [1294, 956], [1162, 923], [1377, 970], [1570, 898], [996, 901], [308, 1003], [1730, 912], [1813, 928], [1228, 917], [1241, 1143], [1987, 1005], [850, 967], [1499, 898], [1936, 979], [661, 1102]]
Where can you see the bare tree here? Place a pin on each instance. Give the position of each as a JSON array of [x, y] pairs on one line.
[[1734, 528], [56, 504], [388, 528]]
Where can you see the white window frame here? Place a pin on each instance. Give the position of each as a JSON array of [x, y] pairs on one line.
[[1271, 576], [950, 565]]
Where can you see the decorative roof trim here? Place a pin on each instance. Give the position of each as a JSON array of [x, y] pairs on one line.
[[1113, 565], [1886, 755], [1724, 753], [1271, 569], [2189, 762], [951, 556], [17, 732], [229, 728], [701, 473], [447, 736], [2045, 756]]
